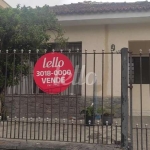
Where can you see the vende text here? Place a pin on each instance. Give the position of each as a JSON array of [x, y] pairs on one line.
[[53, 80]]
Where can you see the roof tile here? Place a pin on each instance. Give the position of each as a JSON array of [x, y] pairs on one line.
[[98, 7]]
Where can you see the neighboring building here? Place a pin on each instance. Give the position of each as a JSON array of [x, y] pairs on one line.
[[4, 4], [95, 26]]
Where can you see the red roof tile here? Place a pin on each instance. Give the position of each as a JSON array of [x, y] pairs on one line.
[[97, 7]]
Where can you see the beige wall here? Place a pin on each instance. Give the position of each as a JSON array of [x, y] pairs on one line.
[[3, 4], [121, 35], [100, 37], [92, 38]]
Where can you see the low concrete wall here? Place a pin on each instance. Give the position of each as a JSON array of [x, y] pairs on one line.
[[46, 105]]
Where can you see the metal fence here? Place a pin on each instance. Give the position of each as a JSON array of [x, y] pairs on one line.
[[28, 113], [139, 80]]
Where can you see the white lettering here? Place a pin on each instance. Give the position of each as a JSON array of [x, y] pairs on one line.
[[53, 80], [43, 80], [60, 63], [54, 63], [48, 80]]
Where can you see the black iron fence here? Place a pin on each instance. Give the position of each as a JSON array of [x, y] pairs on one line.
[[28, 113], [55, 131], [139, 85]]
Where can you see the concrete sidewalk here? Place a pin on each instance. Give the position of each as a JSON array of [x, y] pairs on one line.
[[42, 145]]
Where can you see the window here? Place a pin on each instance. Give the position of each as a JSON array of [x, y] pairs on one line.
[[143, 61], [143, 72], [76, 59]]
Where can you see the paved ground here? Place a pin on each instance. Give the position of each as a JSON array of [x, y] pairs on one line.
[[41, 145]]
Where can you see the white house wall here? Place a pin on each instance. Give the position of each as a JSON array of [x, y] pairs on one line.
[[101, 37]]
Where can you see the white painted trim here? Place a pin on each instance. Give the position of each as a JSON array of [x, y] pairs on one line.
[[103, 16], [111, 18]]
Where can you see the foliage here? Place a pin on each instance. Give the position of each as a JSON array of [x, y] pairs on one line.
[[28, 29], [89, 111], [104, 111], [108, 110]]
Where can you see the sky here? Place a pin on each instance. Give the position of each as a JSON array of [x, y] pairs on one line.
[[34, 3]]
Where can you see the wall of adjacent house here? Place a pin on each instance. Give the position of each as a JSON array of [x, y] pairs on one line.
[[100, 37], [3, 4]]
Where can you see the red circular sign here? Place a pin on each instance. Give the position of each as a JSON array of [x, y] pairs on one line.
[[53, 73]]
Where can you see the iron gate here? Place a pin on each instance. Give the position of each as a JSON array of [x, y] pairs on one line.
[[100, 84], [139, 86]]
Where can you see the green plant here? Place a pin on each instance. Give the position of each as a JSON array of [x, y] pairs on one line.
[[89, 111], [107, 111]]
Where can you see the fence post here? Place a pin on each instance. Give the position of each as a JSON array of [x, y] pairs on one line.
[[124, 98]]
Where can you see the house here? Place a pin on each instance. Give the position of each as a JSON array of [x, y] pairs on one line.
[[4, 4], [96, 26]]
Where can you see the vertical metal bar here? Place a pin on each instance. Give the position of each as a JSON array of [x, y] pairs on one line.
[[30, 128], [111, 92], [98, 132], [141, 103], [51, 117], [63, 128], [116, 132], [102, 90], [89, 130], [0, 123], [77, 54], [5, 88], [43, 118], [146, 137], [68, 109], [137, 135], [20, 91], [47, 128], [26, 127], [3, 128], [7, 126], [149, 72], [59, 114], [80, 131], [85, 96], [15, 128], [39, 128], [50, 131], [27, 120], [94, 95], [124, 98], [22, 127], [14, 56], [72, 131], [106, 132], [35, 116], [131, 105], [93, 132], [55, 127], [94, 98]]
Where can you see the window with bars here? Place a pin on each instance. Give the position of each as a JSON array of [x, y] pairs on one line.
[[140, 62], [140, 70], [76, 58]]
